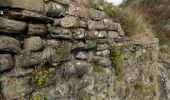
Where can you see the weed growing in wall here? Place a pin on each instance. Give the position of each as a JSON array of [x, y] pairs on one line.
[[117, 60]]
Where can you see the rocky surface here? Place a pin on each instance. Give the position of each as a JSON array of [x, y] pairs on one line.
[[76, 52]]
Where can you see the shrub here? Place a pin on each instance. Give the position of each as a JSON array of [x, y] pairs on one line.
[[117, 60], [132, 22]]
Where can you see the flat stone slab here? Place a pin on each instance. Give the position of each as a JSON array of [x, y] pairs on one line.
[[33, 5], [11, 26]]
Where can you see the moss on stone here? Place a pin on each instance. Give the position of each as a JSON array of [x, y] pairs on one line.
[[83, 95], [98, 69]]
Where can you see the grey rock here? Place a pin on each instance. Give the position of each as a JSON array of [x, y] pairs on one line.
[[106, 62], [90, 44], [83, 68], [97, 4], [102, 34], [52, 43], [29, 15], [6, 62], [69, 21], [109, 25], [60, 32], [78, 11], [83, 24], [84, 46], [56, 22], [55, 9], [37, 29], [9, 44], [11, 26], [81, 55], [121, 33], [96, 25], [63, 1], [102, 46], [94, 35], [33, 5], [104, 53], [33, 43], [113, 34], [28, 59], [79, 33], [97, 14], [16, 88]]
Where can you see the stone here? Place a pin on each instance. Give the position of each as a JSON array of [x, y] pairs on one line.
[[16, 88], [69, 21], [78, 11], [113, 34], [28, 59], [52, 43], [97, 4], [56, 22], [60, 32], [81, 55], [106, 62], [29, 15], [55, 9], [102, 47], [37, 29], [79, 33], [83, 24], [90, 44], [11, 26], [6, 62], [104, 53], [98, 25], [83, 68], [33, 5], [102, 34], [96, 14], [33, 44], [66, 2], [109, 25], [9, 44]]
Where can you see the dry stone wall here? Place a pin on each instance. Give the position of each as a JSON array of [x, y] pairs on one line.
[[59, 50]]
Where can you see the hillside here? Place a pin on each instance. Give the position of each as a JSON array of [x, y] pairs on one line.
[[158, 15]]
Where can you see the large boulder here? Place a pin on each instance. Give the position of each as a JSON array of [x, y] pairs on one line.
[[16, 88], [11, 26], [9, 44], [33, 5], [33, 43], [6, 62]]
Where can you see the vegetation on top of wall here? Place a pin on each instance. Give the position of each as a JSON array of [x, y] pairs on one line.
[[132, 21]]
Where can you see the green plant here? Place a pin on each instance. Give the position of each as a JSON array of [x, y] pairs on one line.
[[39, 96], [83, 95], [98, 69], [63, 50], [40, 75], [117, 60]]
